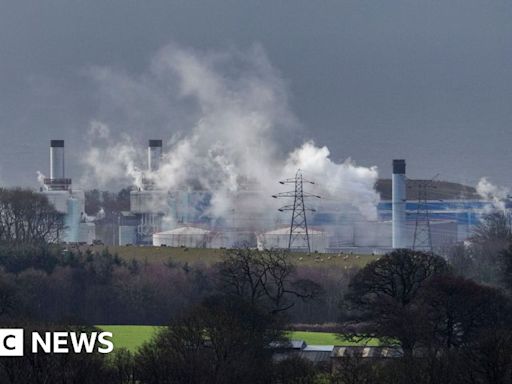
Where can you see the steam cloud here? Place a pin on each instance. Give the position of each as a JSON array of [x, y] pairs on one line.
[[488, 191], [233, 107], [40, 179]]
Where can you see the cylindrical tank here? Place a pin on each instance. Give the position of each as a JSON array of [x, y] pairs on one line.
[[279, 239], [154, 155], [57, 159], [399, 199], [192, 237]]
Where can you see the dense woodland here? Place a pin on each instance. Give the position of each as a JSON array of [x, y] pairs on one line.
[[450, 315]]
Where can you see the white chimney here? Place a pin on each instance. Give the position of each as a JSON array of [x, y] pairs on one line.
[[154, 155], [57, 159], [399, 200]]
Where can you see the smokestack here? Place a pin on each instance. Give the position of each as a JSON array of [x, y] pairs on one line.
[[399, 199], [57, 159], [154, 155]]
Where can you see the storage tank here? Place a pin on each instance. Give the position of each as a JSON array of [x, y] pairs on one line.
[[279, 239], [187, 236]]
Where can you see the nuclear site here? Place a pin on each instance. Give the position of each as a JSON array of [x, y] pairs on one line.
[[409, 213]]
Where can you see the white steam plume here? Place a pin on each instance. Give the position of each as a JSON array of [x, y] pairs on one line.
[[107, 160], [493, 193], [345, 182], [234, 108], [40, 180]]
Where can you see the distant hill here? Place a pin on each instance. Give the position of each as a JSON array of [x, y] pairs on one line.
[[442, 190]]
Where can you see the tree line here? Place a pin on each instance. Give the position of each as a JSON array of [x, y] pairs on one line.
[[449, 318]]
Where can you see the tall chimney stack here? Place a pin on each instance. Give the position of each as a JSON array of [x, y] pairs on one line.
[[154, 155], [399, 199], [57, 159]]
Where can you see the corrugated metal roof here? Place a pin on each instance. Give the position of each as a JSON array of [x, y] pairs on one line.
[[367, 352], [298, 344], [292, 344], [324, 353], [315, 356], [318, 348]]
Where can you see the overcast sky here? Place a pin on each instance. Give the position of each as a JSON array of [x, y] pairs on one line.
[[428, 81]]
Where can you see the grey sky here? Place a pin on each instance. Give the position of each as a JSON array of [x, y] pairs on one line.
[[430, 81]]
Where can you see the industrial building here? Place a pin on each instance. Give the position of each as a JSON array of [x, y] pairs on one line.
[[331, 357], [71, 202], [334, 226], [148, 204], [452, 216], [181, 217]]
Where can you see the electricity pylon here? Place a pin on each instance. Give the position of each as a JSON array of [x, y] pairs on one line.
[[299, 235], [422, 232]]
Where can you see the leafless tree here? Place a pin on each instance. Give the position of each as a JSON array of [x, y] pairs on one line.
[[491, 236], [27, 217], [494, 228], [264, 278]]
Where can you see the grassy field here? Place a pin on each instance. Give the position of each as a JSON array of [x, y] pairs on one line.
[[129, 336], [133, 336], [211, 256]]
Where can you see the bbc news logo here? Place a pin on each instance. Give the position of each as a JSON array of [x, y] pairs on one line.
[[12, 342]]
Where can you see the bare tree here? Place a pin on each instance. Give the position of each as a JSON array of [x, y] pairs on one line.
[[264, 278], [27, 217], [490, 237], [494, 227]]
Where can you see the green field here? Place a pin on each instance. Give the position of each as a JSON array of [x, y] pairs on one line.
[[130, 336], [210, 256], [133, 336]]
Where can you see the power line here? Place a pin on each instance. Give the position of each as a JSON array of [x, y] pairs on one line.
[[299, 235], [422, 232]]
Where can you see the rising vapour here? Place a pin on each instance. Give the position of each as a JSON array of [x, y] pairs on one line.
[[40, 179], [110, 159], [493, 193], [234, 109]]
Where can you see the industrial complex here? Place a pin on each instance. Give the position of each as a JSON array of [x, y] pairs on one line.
[[408, 216], [58, 188]]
